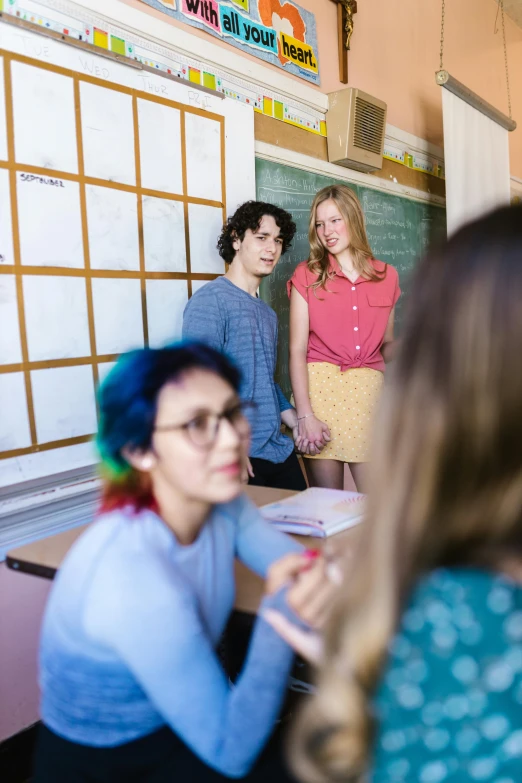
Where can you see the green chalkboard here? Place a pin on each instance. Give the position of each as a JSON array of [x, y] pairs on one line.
[[399, 229]]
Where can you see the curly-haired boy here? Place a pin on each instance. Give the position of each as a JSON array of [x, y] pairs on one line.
[[228, 314]]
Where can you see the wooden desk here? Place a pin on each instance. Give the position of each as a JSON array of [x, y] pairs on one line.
[[43, 558]]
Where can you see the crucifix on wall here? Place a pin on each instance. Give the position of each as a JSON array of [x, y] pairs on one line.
[[345, 13]]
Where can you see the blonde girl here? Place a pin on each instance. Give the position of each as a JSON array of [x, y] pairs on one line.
[[342, 304]]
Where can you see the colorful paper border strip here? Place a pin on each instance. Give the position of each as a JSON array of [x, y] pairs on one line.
[[399, 153]]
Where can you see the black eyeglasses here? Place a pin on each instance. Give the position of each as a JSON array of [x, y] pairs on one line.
[[203, 429]]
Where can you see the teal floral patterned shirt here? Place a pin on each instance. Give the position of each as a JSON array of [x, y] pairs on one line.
[[449, 705]]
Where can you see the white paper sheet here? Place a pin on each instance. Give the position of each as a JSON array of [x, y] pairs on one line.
[[14, 421], [3, 129], [160, 147], [166, 300], [50, 221], [56, 317], [203, 151], [205, 224], [44, 118], [10, 346], [317, 512], [64, 402], [108, 134], [164, 235], [112, 219], [6, 228], [118, 315]]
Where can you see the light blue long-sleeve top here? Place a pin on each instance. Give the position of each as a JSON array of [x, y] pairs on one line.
[[131, 628]]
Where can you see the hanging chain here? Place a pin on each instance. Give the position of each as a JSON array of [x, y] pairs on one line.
[[442, 35], [501, 6], [506, 58]]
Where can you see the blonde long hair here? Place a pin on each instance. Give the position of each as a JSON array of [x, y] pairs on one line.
[[446, 481], [351, 211]]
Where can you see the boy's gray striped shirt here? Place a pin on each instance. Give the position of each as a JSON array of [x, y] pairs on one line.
[[245, 328]]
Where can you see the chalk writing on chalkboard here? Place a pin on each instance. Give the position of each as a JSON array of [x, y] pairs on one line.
[[400, 231]]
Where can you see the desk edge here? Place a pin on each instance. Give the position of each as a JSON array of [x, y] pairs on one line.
[[24, 567]]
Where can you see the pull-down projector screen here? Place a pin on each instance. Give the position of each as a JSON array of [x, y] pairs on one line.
[[476, 153]]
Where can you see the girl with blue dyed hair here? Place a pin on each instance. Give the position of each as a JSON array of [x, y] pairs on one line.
[[132, 688]]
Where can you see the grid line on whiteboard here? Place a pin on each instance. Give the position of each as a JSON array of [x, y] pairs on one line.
[[141, 241], [101, 273], [85, 230], [82, 268], [183, 136], [38, 170], [16, 249]]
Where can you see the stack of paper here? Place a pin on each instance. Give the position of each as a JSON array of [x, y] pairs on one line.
[[316, 512]]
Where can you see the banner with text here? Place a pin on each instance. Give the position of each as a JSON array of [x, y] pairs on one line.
[[281, 33]]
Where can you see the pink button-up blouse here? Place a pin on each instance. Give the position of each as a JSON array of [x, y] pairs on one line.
[[347, 320]]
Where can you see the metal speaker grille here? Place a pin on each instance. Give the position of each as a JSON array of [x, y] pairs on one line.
[[369, 126]]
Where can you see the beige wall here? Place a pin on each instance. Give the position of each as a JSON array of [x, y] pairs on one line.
[[22, 601], [395, 53]]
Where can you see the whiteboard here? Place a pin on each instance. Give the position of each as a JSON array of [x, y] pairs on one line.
[[109, 219]]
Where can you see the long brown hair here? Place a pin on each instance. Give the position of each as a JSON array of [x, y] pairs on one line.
[[351, 211], [446, 475]]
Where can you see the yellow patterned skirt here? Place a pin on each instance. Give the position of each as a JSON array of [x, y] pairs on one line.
[[346, 402]]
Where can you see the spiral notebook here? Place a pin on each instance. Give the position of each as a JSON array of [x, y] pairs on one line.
[[316, 512]]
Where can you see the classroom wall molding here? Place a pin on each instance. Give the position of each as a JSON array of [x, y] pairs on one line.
[[318, 166], [415, 143], [413, 152], [35, 509], [282, 135]]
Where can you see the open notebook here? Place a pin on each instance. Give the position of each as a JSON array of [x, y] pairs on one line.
[[316, 512]]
